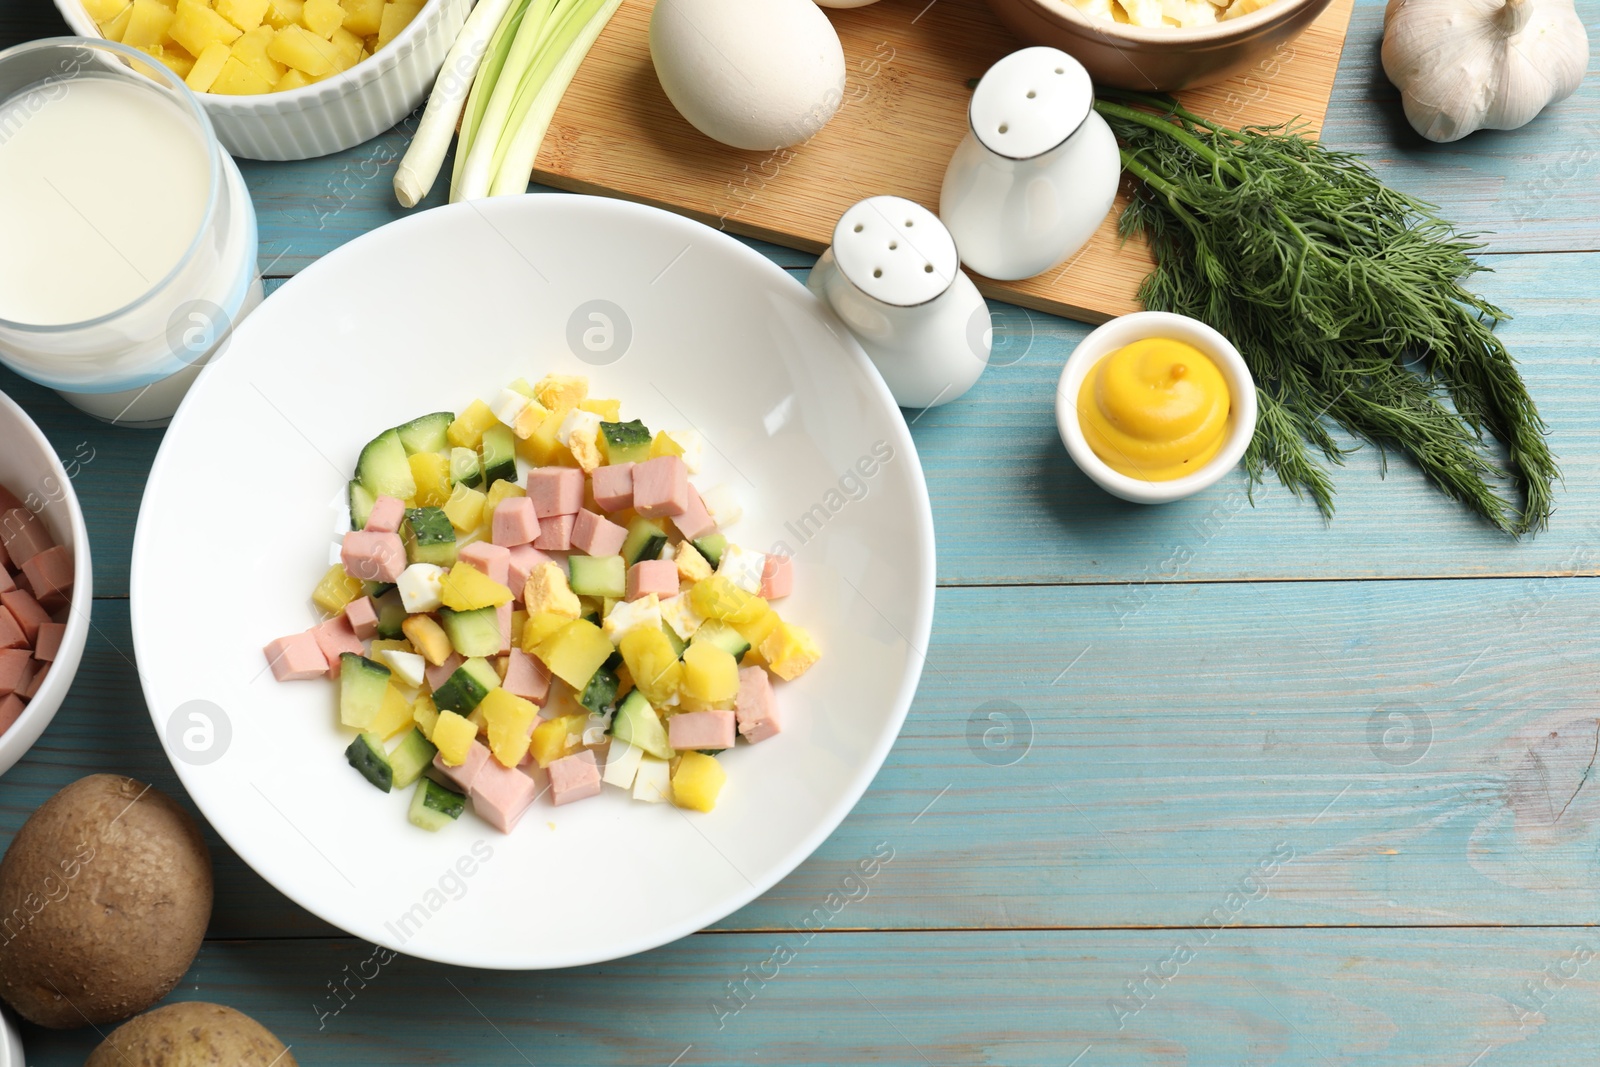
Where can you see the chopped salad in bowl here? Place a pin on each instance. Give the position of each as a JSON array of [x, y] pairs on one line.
[[533, 599]]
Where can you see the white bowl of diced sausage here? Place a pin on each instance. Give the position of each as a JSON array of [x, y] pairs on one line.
[[45, 582]]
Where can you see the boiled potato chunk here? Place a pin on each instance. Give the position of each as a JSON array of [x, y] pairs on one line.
[[510, 720], [113, 30], [302, 50], [322, 17], [103, 11], [710, 675], [251, 50], [236, 79], [196, 27], [362, 17], [453, 736], [293, 79], [148, 24], [558, 737], [283, 13], [652, 664], [245, 14], [574, 652], [697, 781]]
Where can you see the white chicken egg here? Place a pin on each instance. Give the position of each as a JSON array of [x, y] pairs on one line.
[[753, 74]]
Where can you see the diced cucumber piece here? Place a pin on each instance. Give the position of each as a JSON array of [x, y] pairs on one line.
[[466, 468], [391, 615], [427, 433], [711, 546], [638, 724], [383, 468], [600, 695], [362, 683], [361, 501], [366, 755], [473, 633], [626, 442], [598, 576], [410, 758], [433, 807], [678, 644], [375, 589], [466, 687], [725, 637], [499, 455], [429, 537], [645, 540]]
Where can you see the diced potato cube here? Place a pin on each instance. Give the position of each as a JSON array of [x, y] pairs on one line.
[[710, 674], [251, 50], [394, 714], [425, 714], [558, 737], [347, 44], [540, 625], [466, 588], [103, 11], [322, 17], [177, 60], [789, 651], [148, 25], [293, 79], [236, 79], [207, 66], [464, 508], [282, 14], [510, 719], [361, 17], [335, 590], [245, 14], [303, 50], [501, 490], [453, 736], [662, 445], [114, 28], [396, 17], [466, 430], [196, 26], [608, 410], [540, 447], [697, 781], [574, 652], [431, 472], [652, 663]]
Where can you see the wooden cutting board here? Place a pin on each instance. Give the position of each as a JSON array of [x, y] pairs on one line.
[[905, 109]]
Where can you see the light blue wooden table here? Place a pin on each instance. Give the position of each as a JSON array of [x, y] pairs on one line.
[[1278, 791]]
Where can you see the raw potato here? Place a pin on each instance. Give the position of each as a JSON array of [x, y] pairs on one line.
[[105, 894], [191, 1034]]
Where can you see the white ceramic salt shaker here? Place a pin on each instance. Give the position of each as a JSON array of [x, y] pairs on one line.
[[1037, 171], [894, 277]]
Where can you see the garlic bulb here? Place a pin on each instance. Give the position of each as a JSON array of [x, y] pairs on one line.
[[1464, 65]]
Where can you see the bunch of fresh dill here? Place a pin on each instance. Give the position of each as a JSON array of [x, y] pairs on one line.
[[1345, 297]]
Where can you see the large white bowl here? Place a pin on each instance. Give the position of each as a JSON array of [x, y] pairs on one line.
[[10, 1043], [696, 331], [1125, 330], [30, 468], [337, 112]]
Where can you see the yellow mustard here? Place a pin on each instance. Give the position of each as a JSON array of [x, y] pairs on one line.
[[1156, 409]]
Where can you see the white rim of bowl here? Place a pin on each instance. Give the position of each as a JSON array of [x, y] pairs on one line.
[[337, 85], [1126, 329], [82, 571], [1217, 31]]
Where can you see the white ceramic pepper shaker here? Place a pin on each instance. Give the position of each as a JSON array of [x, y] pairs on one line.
[[894, 277], [1037, 171]]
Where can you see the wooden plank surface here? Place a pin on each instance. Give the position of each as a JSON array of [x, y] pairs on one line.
[[904, 110], [1351, 998]]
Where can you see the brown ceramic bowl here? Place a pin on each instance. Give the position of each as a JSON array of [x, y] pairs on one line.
[[1158, 60]]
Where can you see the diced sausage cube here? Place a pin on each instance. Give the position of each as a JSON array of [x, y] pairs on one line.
[[438, 673], [555, 490], [522, 562], [16, 668], [777, 577], [597, 536], [515, 522], [701, 729], [613, 486], [493, 561], [363, 617], [555, 533], [295, 658], [6, 581], [463, 776], [373, 557], [661, 487], [756, 705], [49, 575], [573, 777], [386, 514], [658, 576], [24, 536], [695, 521], [48, 646], [501, 795], [11, 635], [40, 672], [526, 677], [11, 708], [28, 612], [335, 637]]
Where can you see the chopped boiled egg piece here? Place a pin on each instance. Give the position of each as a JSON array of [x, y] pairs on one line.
[[586, 424], [742, 567], [508, 405], [628, 615], [622, 764], [722, 504], [679, 614], [421, 587], [693, 445], [408, 666], [653, 780]]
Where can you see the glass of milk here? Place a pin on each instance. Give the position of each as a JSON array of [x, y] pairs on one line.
[[127, 236]]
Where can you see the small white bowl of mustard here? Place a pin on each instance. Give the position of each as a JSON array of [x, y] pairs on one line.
[[1154, 406]]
